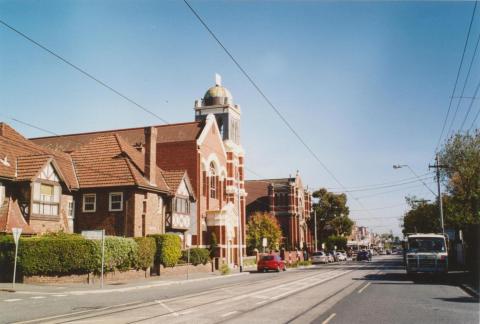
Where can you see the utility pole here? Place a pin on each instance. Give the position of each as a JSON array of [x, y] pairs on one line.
[[437, 166], [315, 220]]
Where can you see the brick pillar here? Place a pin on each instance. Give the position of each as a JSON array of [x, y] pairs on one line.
[[271, 198]]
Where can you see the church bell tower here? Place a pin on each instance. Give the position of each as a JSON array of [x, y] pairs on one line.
[[219, 102]]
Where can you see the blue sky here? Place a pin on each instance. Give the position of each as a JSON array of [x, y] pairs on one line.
[[366, 84]]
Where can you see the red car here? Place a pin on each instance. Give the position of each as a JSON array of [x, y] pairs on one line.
[[271, 262]]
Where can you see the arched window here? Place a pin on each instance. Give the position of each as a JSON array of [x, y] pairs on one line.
[[213, 181]]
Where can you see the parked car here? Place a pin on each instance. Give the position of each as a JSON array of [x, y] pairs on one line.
[[271, 262], [364, 256], [331, 258], [319, 257], [341, 256]]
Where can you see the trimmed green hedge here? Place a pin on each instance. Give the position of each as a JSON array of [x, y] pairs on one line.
[[197, 256], [147, 247], [120, 253], [54, 256], [169, 249]]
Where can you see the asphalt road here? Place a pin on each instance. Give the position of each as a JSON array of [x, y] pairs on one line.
[[340, 293]]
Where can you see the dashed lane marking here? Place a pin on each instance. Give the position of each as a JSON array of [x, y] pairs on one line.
[[329, 318], [363, 288], [174, 313], [229, 313], [12, 300], [37, 297], [186, 312], [60, 295]]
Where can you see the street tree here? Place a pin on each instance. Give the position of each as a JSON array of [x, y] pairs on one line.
[[332, 214], [263, 225], [460, 172]]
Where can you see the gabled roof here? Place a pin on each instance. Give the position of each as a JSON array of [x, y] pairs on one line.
[[11, 216], [174, 179], [165, 134], [109, 161], [20, 158]]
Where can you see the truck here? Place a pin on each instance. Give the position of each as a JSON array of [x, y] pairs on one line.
[[426, 253]]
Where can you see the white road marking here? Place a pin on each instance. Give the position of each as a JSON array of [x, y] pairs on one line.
[[174, 313], [11, 300], [363, 288], [329, 318], [186, 312], [261, 302], [60, 295], [37, 297], [74, 313], [229, 313]]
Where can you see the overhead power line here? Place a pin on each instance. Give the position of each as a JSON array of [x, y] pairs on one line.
[[463, 90], [84, 72], [267, 100], [458, 75], [470, 108]]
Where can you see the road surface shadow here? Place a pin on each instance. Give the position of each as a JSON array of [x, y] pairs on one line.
[[460, 299]]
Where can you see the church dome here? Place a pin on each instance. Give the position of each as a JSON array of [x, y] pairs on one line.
[[217, 95]]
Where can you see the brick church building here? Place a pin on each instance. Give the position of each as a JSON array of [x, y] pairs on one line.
[[199, 164], [290, 202]]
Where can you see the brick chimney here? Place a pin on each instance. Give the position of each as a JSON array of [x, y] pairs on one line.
[[150, 154]]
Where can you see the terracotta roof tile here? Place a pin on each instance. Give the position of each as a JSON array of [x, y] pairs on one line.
[[15, 149], [11, 216], [165, 133], [109, 161]]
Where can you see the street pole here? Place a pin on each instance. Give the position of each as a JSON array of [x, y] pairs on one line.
[[437, 166], [103, 257], [315, 220], [239, 226], [15, 266]]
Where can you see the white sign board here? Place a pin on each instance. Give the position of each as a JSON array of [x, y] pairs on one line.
[[92, 235], [188, 240], [264, 242], [323, 246], [16, 231]]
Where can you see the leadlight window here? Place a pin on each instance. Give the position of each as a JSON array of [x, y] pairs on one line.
[[182, 205], [213, 182], [46, 199]]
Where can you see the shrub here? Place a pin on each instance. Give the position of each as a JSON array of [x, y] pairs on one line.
[[224, 269], [304, 263], [147, 248], [169, 249], [120, 253], [54, 256], [197, 256], [7, 255]]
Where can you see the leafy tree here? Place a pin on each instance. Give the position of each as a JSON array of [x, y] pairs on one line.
[[423, 217], [334, 240], [213, 245], [332, 214], [263, 225], [461, 175]]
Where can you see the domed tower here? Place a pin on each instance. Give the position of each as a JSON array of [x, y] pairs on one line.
[[219, 101]]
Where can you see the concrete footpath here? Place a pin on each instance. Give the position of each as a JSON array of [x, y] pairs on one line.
[[82, 289]]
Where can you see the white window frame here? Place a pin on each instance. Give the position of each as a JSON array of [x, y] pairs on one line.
[[110, 201], [94, 203]]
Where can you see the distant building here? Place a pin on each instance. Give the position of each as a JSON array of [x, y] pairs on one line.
[[290, 202]]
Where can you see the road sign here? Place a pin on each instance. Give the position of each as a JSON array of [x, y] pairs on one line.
[[16, 231], [188, 240], [93, 235], [264, 242], [97, 235]]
